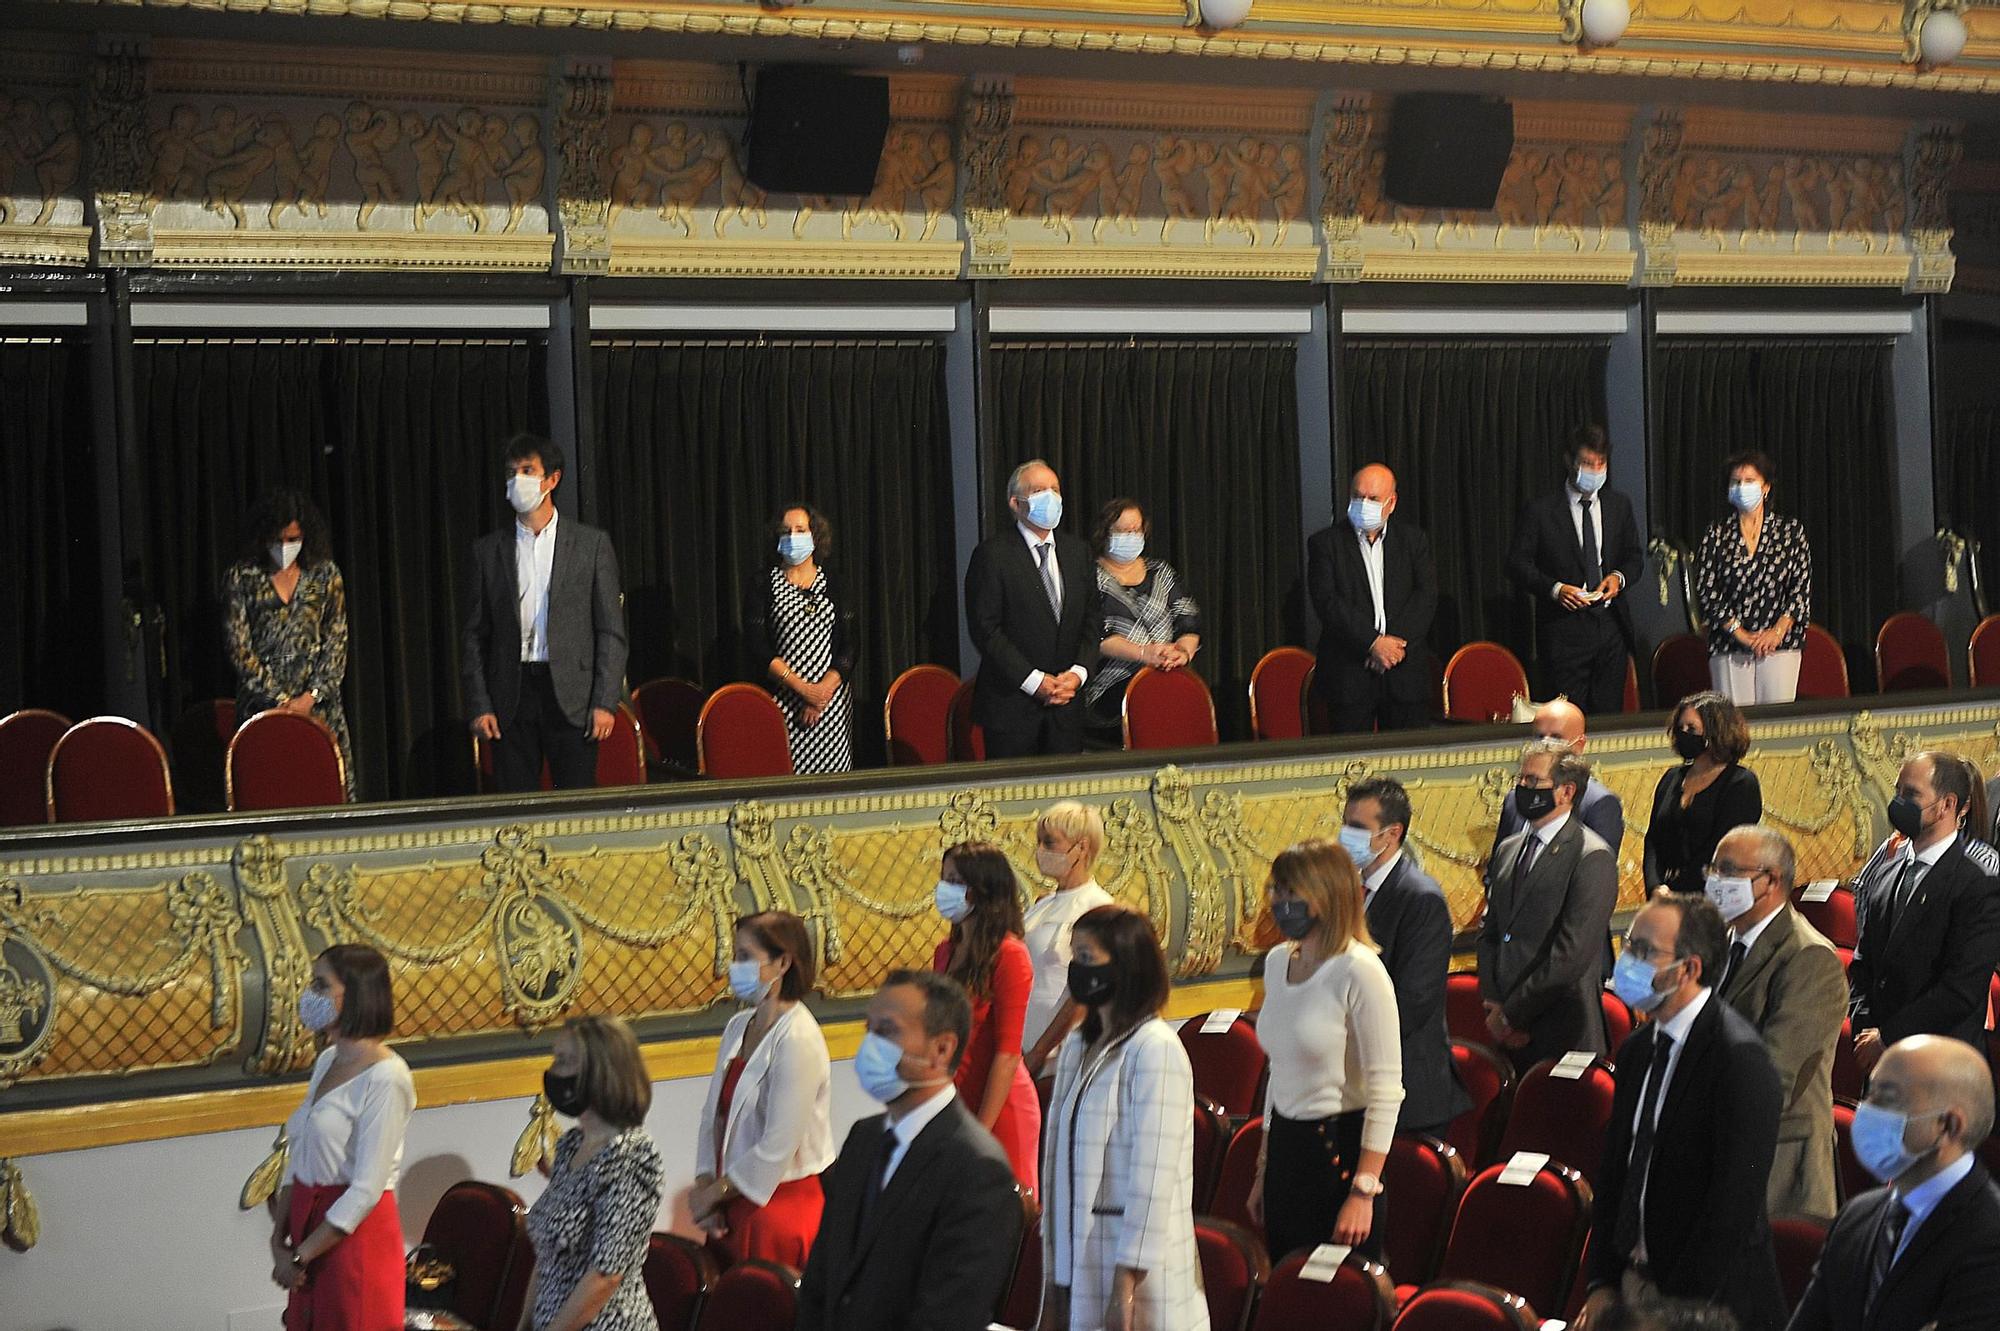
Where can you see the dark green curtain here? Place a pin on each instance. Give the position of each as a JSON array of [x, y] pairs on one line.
[[705, 440], [1473, 428], [1206, 436], [51, 652], [1967, 458], [397, 441], [1824, 410]]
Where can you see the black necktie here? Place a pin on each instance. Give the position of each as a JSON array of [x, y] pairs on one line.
[[878, 1177], [1043, 551], [1894, 903], [1882, 1256], [1528, 849], [1630, 1211], [1593, 567], [1736, 954]]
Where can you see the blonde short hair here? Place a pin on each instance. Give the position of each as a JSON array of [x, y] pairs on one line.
[[1320, 873], [1080, 822]]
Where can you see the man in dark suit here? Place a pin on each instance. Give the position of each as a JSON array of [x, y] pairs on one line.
[[1679, 1204], [922, 1219], [1550, 891], [1928, 904], [1600, 809], [1374, 589], [1923, 1253], [1574, 552], [1031, 603], [543, 652], [1411, 922]]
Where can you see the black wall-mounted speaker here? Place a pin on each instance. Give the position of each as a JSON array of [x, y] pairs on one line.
[[815, 130], [1448, 150]]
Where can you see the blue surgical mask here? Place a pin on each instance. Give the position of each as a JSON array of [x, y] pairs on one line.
[[1126, 546], [795, 547], [951, 902], [747, 982], [1364, 514], [1633, 979], [1589, 482], [878, 1066], [1293, 917], [316, 1010], [1878, 1141], [1045, 509], [1359, 843], [1746, 496]]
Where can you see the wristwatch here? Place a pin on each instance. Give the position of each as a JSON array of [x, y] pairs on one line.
[[1367, 1185], [298, 1260]]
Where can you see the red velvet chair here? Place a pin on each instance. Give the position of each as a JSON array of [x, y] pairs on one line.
[[1680, 667], [1228, 1066], [1798, 1240], [1848, 1083], [1358, 1298], [968, 737], [1850, 1178], [1910, 654], [1024, 1293], [669, 713], [1835, 917], [108, 768], [199, 743], [1428, 1176], [1464, 1010], [1618, 1022], [621, 756], [1466, 1305], [1277, 683], [1168, 709], [752, 1295], [1211, 1143], [1630, 704], [1234, 1268], [1231, 1199], [1030, 1239], [283, 760], [742, 734], [1822, 666], [1317, 717], [480, 1230], [27, 738], [1982, 654], [1565, 1119], [1489, 1079], [1525, 1240], [678, 1275], [917, 716], [1481, 681]]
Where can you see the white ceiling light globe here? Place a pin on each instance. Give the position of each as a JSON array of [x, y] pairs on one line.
[[1941, 38], [1605, 21], [1224, 13]]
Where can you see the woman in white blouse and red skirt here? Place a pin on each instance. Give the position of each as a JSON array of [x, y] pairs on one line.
[[338, 1245]]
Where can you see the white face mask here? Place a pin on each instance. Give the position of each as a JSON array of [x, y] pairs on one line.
[[524, 493], [1734, 897], [1746, 496], [285, 553]]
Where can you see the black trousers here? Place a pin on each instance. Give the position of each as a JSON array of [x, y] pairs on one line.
[[1585, 662], [1361, 700], [1309, 1166], [538, 732], [1048, 730]]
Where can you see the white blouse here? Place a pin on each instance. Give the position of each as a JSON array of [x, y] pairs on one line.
[[780, 1124], [353, 1134], [1334, 1042], [1046, 932]]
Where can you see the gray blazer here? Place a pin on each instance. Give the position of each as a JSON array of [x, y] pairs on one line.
[[586, 625], [1541, 948]]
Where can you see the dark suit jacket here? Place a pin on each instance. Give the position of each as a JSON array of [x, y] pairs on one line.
[[1541, 949], [1015, 632], [1411, 923], [1600, 808], [586, 625], [1680, 842], [1927, 970], [938, 1249], [1707, 1235], [1947, 1278], [1546, 551], [1338, 582]]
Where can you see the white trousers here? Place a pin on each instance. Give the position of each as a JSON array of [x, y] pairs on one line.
[[1744, 679]]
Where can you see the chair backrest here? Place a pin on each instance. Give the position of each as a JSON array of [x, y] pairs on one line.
[[1277, 684], [1982, 654], [1228, 1065], [1618, 1020], [1797, 1240], [199, 743], [1630, 702], [1234, 1268], [1231, 1199], [741, 733], [1910, 654], [1822, 666], [752, 1295], [1561, 1116], [27, 738], [1481, 681], [1211, 1144], [1316, 715], [1833, 916], [1168, 709], [968, 737], [1489, 1080], [1848, 1083], [476, 1228], [1465, 1305], [669, 713], [108, 767], [1358, 1298], [1525, 1239], [1850, 1179], [1680, 667], [283, 760], [1428, 1176], [678, 1275], [916, 716], [1464, 1011], [621, 755], [1024, 1292]]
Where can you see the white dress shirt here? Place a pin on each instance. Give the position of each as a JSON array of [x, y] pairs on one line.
[[1921, 863], [1371, 559], [1921, 1200], [1575, 499], [1379, 875], [1033, 682], [1750, 936], [353, 1134], [909, 1125], [534, 564], [1046, 932]]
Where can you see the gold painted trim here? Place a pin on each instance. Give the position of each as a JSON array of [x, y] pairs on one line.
[[66, 245], [918, 259], [1698, 269], [1295, 263], [358, 250], [1499, 266]]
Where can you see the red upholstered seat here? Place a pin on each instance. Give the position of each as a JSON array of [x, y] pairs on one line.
[[1168, 709], [752, 1295], [1023, 1299], [1277, 683], [1231, 1199], [1465, 1305], [1910, 654], [1848, 1083], [1833, 917], [968, 737], [1481, 681], [1982, 654], [199, 743], [917, 716], [1523, 1239], [480, 1229], [1211, 1143], [669, 713], [283, 760], [1489, 1079], [108, 767], [1563, 1118], [1234, 1268], [1680, 667], [1618, 1021], [621, 755], [1427, 1177], [678, 1274], [1228, 1065], [1358, 1298], [1798, 1240], [1822, 665], [1317, 717], [1630, 703], [1851, 1178], [1579, 1288], [1464, 1010], [27, 738], [742, 734]]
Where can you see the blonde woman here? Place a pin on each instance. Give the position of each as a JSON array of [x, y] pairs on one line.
[[1068, 840], [1329, 1026]]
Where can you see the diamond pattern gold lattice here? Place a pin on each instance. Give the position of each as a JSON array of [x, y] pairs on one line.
[[881, 902]]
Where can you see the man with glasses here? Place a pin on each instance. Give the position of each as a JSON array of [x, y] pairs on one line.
[[1784, 978]]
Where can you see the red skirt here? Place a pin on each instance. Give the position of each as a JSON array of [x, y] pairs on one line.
[[781, 1230], [356, 1285]]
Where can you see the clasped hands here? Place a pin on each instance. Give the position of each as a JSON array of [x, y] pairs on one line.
[[1576, 598], [705, 1203], [1387, 652], [1164, 656], [1057, 690], [1504, 1033], [1765, 641], [488, 724]]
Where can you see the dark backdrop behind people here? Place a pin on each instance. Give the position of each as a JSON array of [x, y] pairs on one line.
[[1151, 621], [801, 642]]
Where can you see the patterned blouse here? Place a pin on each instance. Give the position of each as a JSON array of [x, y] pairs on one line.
[[281, 648], [1158, 609], [1731, 583], [597, 1216]]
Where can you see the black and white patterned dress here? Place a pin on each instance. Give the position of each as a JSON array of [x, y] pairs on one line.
[[597, 1216], [1731, 583], [1156, 609], [806, 631]]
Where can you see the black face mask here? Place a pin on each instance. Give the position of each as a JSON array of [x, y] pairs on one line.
[[1535, 802], [1294, 918], [1690, 745], [1906, 816], [1091, 985], [565, 1093]]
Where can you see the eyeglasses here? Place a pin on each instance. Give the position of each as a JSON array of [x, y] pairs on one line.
[[1645, 951]]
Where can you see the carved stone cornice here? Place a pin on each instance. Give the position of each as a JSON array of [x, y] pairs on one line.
[[582, 93], [986, 116], [1934, 155], [1659, 158], [1345, 129], [118, 153]]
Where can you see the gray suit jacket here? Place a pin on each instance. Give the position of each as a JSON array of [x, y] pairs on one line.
[[586, 625], [1793, 989], [1411, 923], [1541, 948]]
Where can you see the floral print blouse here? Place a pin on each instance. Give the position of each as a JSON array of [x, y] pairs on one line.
[[1731, 583]]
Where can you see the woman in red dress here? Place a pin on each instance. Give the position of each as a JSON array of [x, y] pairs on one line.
[[977, 892]]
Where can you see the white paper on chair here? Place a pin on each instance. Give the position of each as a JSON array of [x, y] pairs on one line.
[[1572, 1066], [1220, 1020], [1819, 891], [1324, 1264], [1521, 1170]]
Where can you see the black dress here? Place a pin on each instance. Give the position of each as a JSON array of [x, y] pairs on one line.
[[1681, 842]]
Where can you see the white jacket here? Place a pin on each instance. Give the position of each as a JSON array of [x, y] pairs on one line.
[[778, 1128]]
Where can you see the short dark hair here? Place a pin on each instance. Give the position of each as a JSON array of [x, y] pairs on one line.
[[1722, 724], [1752, 457], [1100, 535], [1590, 437], [276, 510], [368, 1003], [522, 446], [614, 1079], [783, 934], [946, 1007], [1703, 932], [1138, 968], [1388, 793]]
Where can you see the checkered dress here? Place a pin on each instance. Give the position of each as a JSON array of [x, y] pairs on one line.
[[803, 622]]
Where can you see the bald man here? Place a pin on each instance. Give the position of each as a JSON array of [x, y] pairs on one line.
[[1599, 807], [1923, 1251], [1374, 589]]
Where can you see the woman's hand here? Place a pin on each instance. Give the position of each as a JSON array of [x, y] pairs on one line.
[[1356, 1219], [1121, 1314], [301, 703], [287, 1276], [810, 716]]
